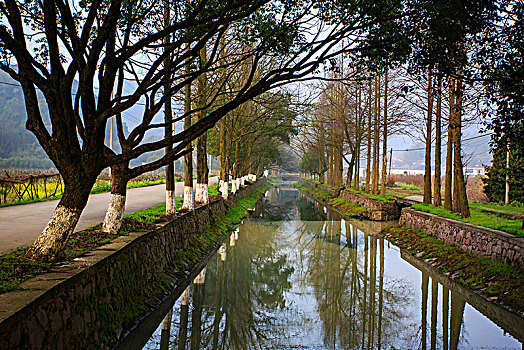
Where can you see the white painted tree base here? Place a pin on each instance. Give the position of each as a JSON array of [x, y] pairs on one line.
[[234, 186], [188, 198], [222, 252], [232, 240], [201, 193], [114, 214], [170, 202], [201, 278], [224, 189], [48, 244], [184, 298]]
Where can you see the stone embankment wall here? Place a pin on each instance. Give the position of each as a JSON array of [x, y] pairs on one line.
[[377, 210], [334, 191], [88, 303], [496, 245]]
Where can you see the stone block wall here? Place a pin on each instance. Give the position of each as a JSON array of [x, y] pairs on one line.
[[87, 303], [496, 245], [377, 210], [334, 191]]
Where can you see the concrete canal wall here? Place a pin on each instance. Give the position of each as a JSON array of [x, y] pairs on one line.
[[496, 245], [91, 302]]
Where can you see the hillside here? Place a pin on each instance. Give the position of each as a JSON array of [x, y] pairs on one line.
[[18, 147]]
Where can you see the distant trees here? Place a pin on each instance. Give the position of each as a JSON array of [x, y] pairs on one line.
[[502, 62], [354, 117]]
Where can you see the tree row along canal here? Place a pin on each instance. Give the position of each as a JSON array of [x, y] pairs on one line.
[[295, 275]]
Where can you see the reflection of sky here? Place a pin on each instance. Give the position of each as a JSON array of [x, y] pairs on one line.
[[302, 322]]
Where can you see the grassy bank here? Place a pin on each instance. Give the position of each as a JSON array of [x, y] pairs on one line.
[[479, 218], [388, 197], [497, 281], [341, 205], [313, 191], [347, 208], [513, 208], [16, 268]]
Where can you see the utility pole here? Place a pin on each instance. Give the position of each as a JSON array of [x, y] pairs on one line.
[[390, 157]]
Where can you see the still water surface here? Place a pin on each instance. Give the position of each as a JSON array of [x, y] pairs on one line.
[[296, 276]]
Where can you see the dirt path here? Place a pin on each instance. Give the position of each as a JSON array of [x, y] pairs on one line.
[[21, 224]]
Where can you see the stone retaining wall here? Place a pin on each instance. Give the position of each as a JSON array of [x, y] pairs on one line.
[[481, 241], [89, 302], [334, 191], [377, 210]]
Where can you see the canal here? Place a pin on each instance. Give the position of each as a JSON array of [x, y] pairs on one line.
[[295, 275]]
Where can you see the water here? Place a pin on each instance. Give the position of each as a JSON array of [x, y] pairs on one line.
[[296, 276]]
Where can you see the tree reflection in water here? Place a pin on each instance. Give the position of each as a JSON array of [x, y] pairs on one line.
[[297, 276], [357, 306]]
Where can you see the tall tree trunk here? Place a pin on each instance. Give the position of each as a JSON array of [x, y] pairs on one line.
[[188, 157], [330, 162], [50, 244], [427, 158], [224, 181], [385, 139], [201, 194], [356, 177], [437, 199], [376, 138], [358, 139], [337, 160], [448, 200], [115, 211], [338, 143], [351, 164], [463, 206], [368, 156], [168, 116], [322, 156], [236, 171]]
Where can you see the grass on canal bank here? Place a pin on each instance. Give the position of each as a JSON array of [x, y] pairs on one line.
[[313, 191], [479, 218], [341, 205], [515, 208], [16, 268], [347, 208], [388, 197], [499, 282]]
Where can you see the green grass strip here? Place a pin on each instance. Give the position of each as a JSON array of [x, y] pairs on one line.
[[477, 218]]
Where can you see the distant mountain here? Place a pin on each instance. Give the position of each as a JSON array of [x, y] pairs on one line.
[[19, 148]]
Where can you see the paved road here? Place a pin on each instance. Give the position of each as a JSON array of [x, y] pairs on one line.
[[21, 224], [416, 198]]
